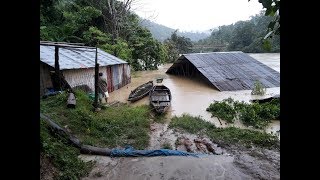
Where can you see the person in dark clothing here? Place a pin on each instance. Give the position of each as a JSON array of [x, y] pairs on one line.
[[102, 88]]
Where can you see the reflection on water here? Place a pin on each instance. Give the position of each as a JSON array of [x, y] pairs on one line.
[[194, 96]]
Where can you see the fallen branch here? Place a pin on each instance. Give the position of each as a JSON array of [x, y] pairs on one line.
[[85, 149]]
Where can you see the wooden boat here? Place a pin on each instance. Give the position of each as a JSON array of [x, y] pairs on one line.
[[160, 98], [141, 91]]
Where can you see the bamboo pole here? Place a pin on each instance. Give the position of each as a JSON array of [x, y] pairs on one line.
[[57, 68], [96, 74]]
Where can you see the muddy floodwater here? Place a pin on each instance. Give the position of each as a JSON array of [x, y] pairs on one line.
[[193, 96]]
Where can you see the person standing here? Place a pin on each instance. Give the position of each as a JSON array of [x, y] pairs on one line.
[[103, 89]]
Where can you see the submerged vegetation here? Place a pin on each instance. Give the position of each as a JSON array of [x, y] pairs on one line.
[[223, 110], [255, 114], [233, 135], [258, 89]]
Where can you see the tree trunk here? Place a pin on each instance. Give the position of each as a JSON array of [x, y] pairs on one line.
[[85, 149]]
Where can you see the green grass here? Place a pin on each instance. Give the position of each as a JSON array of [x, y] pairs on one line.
[[64, 157], [190, 124], [159, 118], [112, 127], [232, 135]]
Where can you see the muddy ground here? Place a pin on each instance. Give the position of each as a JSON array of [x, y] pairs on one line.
[[233, 162], [47, 170]]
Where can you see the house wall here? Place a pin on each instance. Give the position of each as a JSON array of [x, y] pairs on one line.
[[119, 76], [45, 78], [77, 77]]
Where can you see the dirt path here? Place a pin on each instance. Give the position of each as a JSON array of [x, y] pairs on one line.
[[232, 163], [169, 168]]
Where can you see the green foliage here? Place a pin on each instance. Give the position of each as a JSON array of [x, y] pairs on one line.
[[244, 136], [242, 35], [193, 124], [120, 49], [247, 36], [256, 115], [115, 30], [223, 110], [64, 157], [176, 45], [115, 126], [147, 52], [273, 10], [258, 89], [173, 52], [95, 37]]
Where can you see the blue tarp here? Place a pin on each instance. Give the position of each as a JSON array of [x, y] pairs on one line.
[[129, 151]]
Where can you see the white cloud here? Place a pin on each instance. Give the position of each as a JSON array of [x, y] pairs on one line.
[[196, 15]]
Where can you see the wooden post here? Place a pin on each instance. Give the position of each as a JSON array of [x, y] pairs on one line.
[[96, 76], [57, 68]]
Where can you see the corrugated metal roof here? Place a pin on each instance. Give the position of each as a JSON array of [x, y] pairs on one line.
[[230, 71], [77, 58]]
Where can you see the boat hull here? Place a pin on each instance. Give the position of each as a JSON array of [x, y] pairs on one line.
[[140, 92], [160, 98]]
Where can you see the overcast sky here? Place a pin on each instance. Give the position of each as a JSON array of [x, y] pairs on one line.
[[196, 15]]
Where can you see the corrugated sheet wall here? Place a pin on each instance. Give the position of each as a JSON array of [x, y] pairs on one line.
[[120, 76], [77, 77], [45, 79], [115, 76]]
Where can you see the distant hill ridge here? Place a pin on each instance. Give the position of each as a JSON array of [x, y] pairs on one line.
[[161, 32]]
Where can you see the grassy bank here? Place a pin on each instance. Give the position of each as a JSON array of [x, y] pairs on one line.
[[63, 157], [111, 127], [197, 125]]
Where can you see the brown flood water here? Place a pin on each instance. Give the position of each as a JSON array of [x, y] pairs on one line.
[[194, 96]]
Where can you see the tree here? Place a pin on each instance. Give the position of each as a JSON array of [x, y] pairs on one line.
[[247, 36], [147, 52], [107, 24], [177, 45], [273, 10], [242, 36]]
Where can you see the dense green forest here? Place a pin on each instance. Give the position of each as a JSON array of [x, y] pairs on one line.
[[246, 36], [161, 32], [109, 25], [113, 27]]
